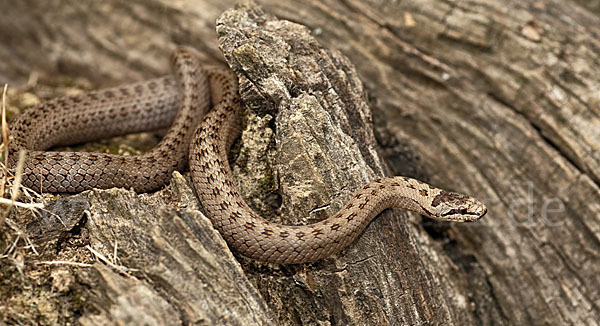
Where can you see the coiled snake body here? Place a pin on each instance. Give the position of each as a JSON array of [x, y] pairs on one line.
[[182, 101]]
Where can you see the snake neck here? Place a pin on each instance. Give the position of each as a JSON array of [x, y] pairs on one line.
[[398, 192], [415, 195]]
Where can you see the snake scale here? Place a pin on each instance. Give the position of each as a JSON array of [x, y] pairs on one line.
[[182, 101]]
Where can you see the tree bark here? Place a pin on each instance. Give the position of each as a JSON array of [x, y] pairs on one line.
[[495, 99]]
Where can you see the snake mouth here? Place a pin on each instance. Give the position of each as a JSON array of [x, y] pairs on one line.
[[461, 214], [478, 214]]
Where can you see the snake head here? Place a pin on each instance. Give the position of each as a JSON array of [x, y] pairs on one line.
[[455, 207]]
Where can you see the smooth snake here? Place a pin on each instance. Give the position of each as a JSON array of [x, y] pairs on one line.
[[181, 101]]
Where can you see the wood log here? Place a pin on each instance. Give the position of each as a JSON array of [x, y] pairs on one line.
[[498, 100]]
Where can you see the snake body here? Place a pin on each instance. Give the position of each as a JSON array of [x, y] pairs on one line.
[[178, 101], [153, 104]]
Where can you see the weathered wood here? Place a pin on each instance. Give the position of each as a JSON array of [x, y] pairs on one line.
[[324, 150], [496, 99], [172, 266]]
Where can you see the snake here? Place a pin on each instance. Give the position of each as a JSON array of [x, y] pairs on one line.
[[203, 108]]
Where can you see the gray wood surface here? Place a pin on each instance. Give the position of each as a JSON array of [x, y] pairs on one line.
[[498, 99]]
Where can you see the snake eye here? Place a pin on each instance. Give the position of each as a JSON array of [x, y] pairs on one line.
[[462, 210]]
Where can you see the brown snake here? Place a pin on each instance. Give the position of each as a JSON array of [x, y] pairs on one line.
[[154, 104]]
